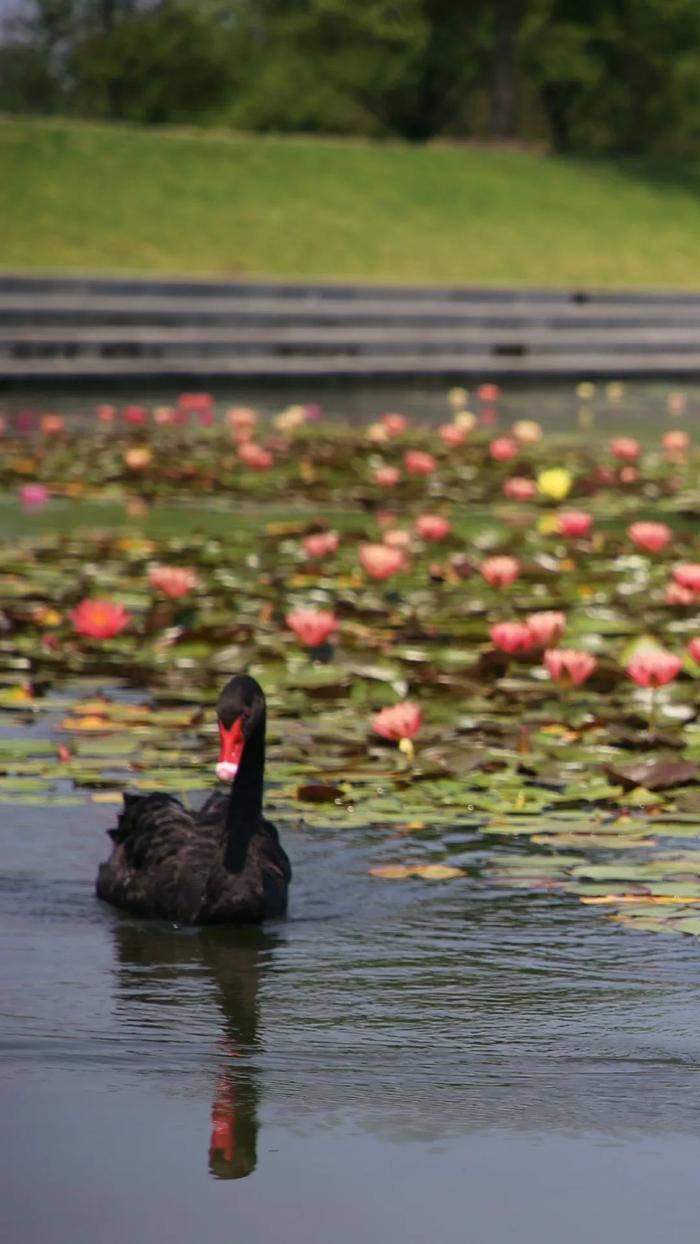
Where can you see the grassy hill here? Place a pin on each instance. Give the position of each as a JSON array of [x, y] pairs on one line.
[[113, 198]]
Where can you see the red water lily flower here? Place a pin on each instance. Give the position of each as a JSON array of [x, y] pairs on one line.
[[503, 448], [135, 415], [173, 581], [569, 665], [500, 571], [652, 537], [99, 619], [511, 637], [312, 626], [196, 402], [419, 463], [380, 562], [687, 575], [574, 523], [626, 448], [321, 544], [401, 721], [432, 526], [519, 488], [387, 476], [547, 627], [654, 667]]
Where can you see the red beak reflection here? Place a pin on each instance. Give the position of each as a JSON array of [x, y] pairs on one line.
[[232, 744]]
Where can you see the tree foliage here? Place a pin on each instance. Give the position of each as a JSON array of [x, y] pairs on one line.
[[585, 75]]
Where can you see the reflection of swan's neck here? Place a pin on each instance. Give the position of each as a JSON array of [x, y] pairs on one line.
[[245, 801], [223, 1122], [233, 1144]]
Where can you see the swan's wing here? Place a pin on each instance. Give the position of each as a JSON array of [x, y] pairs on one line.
[[275, 853], [152, 829], [156, 867]]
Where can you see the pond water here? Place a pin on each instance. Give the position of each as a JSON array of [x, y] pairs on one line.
[[463, 1060], [384, 1064]]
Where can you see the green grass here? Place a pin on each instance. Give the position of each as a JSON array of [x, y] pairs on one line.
[[103, 198]]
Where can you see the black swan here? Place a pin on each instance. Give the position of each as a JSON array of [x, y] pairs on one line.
[[221, 865]]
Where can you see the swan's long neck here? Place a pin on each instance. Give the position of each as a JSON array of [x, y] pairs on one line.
[[245, 801]]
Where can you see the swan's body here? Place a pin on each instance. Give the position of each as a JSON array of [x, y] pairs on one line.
[[221, 865]]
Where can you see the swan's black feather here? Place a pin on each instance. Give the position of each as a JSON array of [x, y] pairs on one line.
[[221, 865]]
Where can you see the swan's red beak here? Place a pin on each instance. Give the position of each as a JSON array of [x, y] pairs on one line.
[[232, 743]]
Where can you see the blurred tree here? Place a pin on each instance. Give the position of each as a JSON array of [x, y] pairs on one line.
[[406, 63], [605, 75], [164, 63], [616, 75]]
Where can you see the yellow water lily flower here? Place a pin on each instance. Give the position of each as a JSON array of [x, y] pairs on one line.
[[555, 483], [458, 398]]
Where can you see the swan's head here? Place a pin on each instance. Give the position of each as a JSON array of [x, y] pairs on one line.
[[240, 711]]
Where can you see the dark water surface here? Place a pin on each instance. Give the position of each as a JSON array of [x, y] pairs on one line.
[[394, 1062]]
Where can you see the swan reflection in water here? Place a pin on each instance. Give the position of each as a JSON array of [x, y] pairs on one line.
[[159, 968]]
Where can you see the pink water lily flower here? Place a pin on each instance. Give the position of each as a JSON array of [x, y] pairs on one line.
[[254, 456], [654, 667], [321, 544], [33, 496], [694, 650], [401, 721], [393, 424], [569, 665], [676, 403], [652, 537], [676, 444], [312, 626], [503, 448], [574, 523], [380, 562], [241, 418], [433, 526], [106, 413], [173, 581], [519, 488], [164, 416], [687, 575], [488, 393], [387, 476], [397, 538], [417, 462], [452, 435], [500, 571], [511, 637], [547, 627], [52, 424], [626, 448], [677, 595], [99, 619]]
